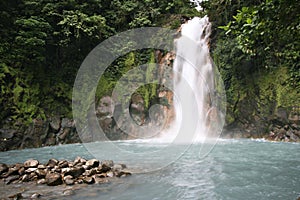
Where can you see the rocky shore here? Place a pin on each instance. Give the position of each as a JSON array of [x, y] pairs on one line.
[[277, 130], [77, 173]]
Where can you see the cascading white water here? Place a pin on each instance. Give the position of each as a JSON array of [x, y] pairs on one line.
[[193, 82]]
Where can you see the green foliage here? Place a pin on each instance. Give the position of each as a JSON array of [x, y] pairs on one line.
[[43, 43], [257, 52]]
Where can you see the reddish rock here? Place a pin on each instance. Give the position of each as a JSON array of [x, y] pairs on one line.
[[54, 179], [31, 163]]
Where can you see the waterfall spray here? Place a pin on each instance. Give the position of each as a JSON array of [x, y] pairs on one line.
[[193, 83]]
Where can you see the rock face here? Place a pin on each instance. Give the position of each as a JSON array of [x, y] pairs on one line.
[[283, 126], [40, 133], [59, 172]]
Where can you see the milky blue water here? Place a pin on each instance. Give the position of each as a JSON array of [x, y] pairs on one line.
[[234, 169]]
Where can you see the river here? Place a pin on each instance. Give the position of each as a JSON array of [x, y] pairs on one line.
[[234, 169]]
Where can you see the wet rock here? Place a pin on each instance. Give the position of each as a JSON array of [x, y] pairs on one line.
[[103, 169], [35, 196], [41, 167], [79, 161], [41, 181], [102, 175], [68, 192], [68, 177], [63, 164], [118, 167], [3, 168], [110, 174], [92, 163], [40, 173], [99, 180], [75, 172], [65, 170], [56, 169], [69, 181], [90, 172], [25, 178], [89, 180], [52, 174], [18, 166], [108, 163], [16, 196], [11, 179], [11, 171], [52, 163], [54, 179], [106, 166], [123, 174], [79, 181], [29, 170], [21, 171]]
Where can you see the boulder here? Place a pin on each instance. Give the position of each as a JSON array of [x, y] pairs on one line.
[[56, 169], [31, 163], [101, 180], [41, 173], [63, 164], [11, 179], [106, 107], [110, 174], [35, 196], [41, 181], [89, 180], [52, 163], [75, 172], [21, 171], [118, 167], [3, 168], [90, 172], [123, 174], [55, 123], [102, 175], [29, 170], [67, 123], [92, 163], [41, 167], [68, 192], [25, 178], [68, 177], [69, 181], [79, 161], [16, 196], [54, 179], [12, 171], [107, 163]]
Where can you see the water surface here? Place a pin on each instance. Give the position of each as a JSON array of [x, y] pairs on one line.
[[234, 169]]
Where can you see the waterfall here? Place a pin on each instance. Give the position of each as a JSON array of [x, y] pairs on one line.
[[194, 84]]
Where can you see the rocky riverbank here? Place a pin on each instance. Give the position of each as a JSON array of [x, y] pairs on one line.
[[57, 173], [276, 131]]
